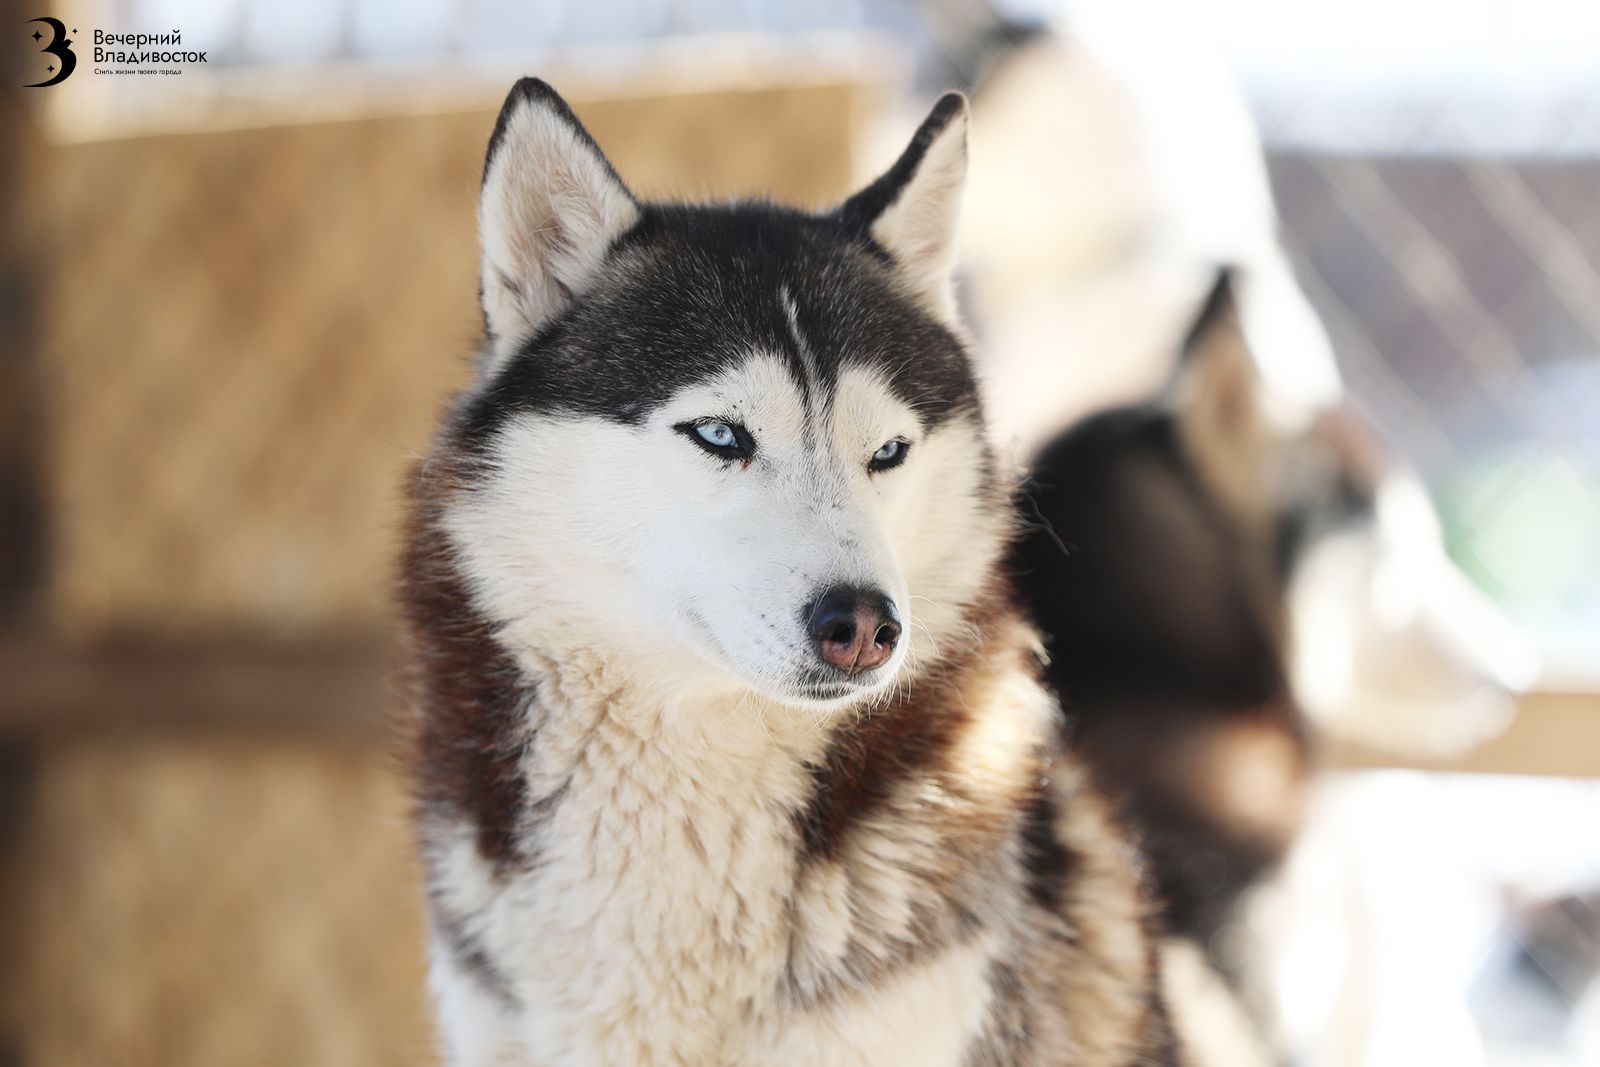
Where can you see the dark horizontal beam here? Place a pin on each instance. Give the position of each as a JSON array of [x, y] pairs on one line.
[[343, 689], [337, 689]]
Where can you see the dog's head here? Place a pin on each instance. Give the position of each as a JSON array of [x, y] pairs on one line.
[[729, 443], [1237, 544], [1388, 642]]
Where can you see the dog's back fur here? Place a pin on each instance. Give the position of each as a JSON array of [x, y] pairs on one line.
[[652, 835]]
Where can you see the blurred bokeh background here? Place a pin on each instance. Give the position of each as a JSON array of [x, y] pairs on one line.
[[231, 299]]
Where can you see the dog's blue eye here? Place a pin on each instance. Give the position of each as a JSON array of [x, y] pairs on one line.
[[725, 440], [892, 454], [715, 434]]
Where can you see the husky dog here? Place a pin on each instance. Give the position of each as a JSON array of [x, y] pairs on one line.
[[1217, 574], [729, 747]]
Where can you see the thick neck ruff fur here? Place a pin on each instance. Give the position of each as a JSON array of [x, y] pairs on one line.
[[645, 842]]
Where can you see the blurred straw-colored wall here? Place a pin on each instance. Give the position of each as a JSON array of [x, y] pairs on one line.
[[204, 902]]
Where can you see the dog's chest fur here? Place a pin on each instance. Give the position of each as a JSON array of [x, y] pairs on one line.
[[659, 881], [667, 911]]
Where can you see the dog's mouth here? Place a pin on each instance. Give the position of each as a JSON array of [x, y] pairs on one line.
[[829, 691]]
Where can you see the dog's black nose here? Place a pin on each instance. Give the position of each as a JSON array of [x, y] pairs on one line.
[[854, 629]]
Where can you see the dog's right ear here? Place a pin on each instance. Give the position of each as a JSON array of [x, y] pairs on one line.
[[549, 210]]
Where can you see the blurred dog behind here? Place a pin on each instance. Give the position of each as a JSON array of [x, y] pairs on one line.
[[1226, 562], [1218, 576]]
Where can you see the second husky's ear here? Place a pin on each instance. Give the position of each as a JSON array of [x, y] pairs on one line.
[[549, 210], [1218, 400], [911, 211]]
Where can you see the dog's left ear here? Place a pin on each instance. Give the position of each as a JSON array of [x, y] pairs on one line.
[[911, 211]]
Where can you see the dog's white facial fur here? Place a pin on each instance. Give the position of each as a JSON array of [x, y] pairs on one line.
[[607, 535]]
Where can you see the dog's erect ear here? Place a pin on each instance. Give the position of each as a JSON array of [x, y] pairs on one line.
[[912, 210], [1218, 398], [549, 210]]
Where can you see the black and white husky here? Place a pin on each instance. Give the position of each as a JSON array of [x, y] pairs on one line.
[[729, 747]]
